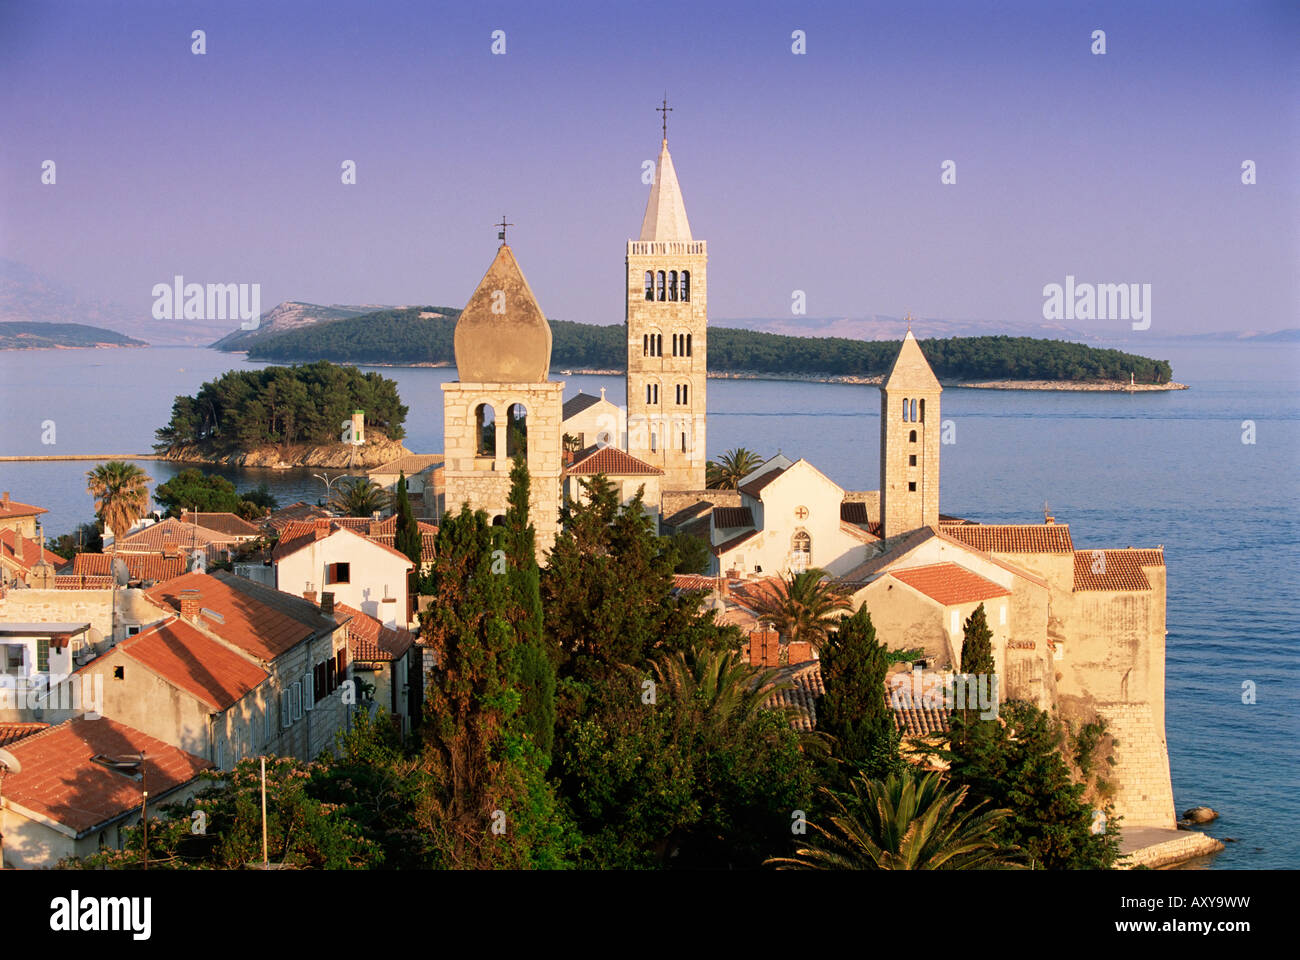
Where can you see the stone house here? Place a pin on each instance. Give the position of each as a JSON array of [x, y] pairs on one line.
[[19, 517], [328, 555], [626, 474]]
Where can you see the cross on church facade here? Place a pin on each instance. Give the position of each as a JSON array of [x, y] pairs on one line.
[[502, 234], [665, 110]]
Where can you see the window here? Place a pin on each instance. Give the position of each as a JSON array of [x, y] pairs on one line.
[[911, 460], [131, 631], [923, 411], [308, 692], [286, 709], [686, 287], [645, 341], [682, 390], [652, 393], [516, 429], [672, 285], [653, 446], [905, 409], [43, 655], [911, 486], [688, 344], [221, 755], [800, 551], [659, 344], [342, 659], [338, 573], [912, 437], [14, 658], [485, 420], [683, 441], [649, 285], [266, 717], [295, 700], [663, 293]]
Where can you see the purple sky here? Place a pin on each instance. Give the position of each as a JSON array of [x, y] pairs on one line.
[[818, 172]]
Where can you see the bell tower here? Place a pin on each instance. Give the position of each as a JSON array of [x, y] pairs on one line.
[[667, 335], [909, 442]]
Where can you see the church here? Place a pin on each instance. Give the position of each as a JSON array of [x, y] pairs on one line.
[[1080, 632]]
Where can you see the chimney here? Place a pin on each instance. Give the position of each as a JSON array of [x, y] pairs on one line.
[[190, 604], [799, 651], [764, 648], [376, 528], [327, 603], [5, 502], [723, 587], [322, 528], [310, 593]]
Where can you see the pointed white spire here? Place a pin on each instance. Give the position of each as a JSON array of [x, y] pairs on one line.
[[665, 214]]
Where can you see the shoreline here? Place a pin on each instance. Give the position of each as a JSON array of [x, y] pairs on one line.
[[1079, 386]]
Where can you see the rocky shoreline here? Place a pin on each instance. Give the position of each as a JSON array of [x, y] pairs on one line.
[[334, 456]]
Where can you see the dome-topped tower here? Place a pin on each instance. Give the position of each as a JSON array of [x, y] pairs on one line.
[[502, 335]]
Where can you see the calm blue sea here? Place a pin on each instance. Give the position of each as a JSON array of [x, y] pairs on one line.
[[1139, 470]]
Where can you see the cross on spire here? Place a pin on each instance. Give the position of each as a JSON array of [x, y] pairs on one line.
[[501, 235], [665, 110]]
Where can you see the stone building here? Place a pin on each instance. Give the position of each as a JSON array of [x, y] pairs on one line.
[[667, 337], [504, 401], [909, 442]]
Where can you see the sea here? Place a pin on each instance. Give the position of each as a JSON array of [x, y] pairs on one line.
[[1210, 473]]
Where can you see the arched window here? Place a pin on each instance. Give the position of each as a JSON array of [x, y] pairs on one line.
[[499, 520], [516, 430], [688, 344], [652, 393], [923, 411], [683, 441], [672, 285], [676, 338], [905, 409], [485, 423], [645, 344], [913, 411], [653, 444], [683, 390], [686, 285], [659, 344], [649, 285], [912, 437], [800, 551], [663, 293]]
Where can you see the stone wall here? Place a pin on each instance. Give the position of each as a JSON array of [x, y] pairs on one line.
[[901, 508]]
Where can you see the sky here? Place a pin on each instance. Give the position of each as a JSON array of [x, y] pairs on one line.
[[817, 172]]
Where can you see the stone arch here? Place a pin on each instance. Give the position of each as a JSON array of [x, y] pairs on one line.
[[801, 550], [912, 437], [685, 282], [485, 429], [661, 282], [672, 285], [516, 429], [649, 285]]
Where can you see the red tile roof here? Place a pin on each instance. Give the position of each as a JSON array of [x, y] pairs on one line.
[[725, 517], [800, 697], [693, 581], [610, 461], [61, 781], [222, 523], [295, 511], [11, 509], [370, 641], [300, 534], [1013, 537], [71, 582], [250, 622], [200, 666], [139, 566], [171, 530], [9, 545], [949, 584], [1115, 569], [13, 732]]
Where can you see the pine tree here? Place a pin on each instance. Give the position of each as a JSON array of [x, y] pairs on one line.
[[536, 665], [854, 709], [977, 645]]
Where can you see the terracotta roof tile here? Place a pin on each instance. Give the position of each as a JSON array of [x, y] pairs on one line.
[[1114, 569], [949, 584], [299, 534], [71, 582], [262, 622], [682, 506], [13, 732], [11, 509], [610, 461], [200, 666], [726, 517], [60, 779], [409, 464], [139, 566], [171, 530], [9, 547], [369, 641], [1013, 537], [295, 511], [801, 697], [693, 581], [228, 524]]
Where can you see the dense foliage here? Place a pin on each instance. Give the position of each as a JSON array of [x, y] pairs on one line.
[[192, 489], [854, 710], [243, 409], [32, 335], [402, 336]]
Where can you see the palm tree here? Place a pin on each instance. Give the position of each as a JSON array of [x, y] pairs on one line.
[[903, 824], [725, 473], [715, 689], [121, 492], [801, 606], [358, 497]]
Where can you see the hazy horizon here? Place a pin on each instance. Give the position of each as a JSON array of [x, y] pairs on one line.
[[817, 172]]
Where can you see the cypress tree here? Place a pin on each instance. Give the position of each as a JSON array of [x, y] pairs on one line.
[[408, 539], [854, 708], [977, 644]]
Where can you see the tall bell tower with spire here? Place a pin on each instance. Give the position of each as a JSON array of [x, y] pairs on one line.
[[667, 334], [909, 442]]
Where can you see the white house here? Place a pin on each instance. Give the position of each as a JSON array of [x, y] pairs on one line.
[[321, 555]]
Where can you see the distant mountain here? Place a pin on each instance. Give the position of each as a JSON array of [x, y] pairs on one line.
[[21, 335], [29, 297], [292, 315]]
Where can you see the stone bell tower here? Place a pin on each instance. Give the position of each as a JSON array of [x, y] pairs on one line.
[[667, 335], [909, 442], [504, 402]]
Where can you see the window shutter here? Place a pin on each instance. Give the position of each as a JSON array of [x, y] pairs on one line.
[[286, 713], [343, 662], [330, 676], [309, 691]]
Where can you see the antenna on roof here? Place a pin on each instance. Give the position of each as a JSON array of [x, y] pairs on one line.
[[1047, 516]]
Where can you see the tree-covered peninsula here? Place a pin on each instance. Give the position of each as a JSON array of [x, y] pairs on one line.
[[404, 337], [243, 410]]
